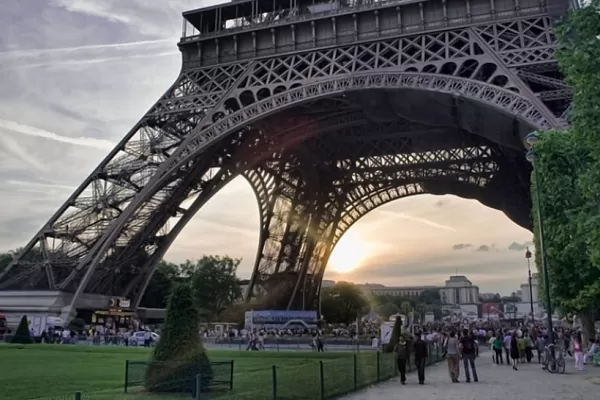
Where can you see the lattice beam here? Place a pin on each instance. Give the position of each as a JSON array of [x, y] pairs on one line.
[[318, 159]]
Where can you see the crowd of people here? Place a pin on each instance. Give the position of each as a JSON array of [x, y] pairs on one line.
[[508, 345]]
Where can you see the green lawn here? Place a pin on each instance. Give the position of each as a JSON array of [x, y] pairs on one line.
[[57, 371]]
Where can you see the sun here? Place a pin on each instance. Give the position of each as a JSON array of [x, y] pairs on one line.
[[348, 253]]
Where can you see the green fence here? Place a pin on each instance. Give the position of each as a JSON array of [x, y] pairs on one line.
[[184, 381], [330, 379], [324, 378]]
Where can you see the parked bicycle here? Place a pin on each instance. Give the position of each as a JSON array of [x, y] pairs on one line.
[[554, 360]]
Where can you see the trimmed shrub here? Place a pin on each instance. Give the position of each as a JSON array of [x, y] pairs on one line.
[[179, 354], [22, 336], [396, 332]]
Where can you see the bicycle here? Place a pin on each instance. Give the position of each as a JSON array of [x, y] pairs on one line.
[[553, 360]]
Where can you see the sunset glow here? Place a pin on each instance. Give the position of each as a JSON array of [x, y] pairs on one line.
[[348, 253]]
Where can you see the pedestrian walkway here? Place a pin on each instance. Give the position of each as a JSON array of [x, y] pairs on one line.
[[496, 382]]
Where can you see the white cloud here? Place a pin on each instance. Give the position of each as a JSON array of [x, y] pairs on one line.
[[70, 50], [43, 134], [149, 18], [12, 147], [39, 185], [424, 221]]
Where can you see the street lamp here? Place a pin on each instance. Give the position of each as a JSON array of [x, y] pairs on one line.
[[532, 139], [528, 257]]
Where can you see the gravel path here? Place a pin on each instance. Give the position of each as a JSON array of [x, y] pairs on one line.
[[496, 382]]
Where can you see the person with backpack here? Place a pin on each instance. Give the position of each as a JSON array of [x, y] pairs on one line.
[[469, 351], [401, 349], [421, 355], [452, 351]]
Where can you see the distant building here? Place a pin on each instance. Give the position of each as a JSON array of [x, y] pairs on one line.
[[534, 290], [459, 290], [523, 308], [375, 289]]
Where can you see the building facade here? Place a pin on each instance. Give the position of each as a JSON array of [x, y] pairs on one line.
[[459, 290], [525, 293], [374, 289]]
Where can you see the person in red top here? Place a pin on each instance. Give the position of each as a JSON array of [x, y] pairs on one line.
[[578, 351]]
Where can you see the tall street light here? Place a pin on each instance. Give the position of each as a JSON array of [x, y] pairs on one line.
[[528, 257], [532, 139]]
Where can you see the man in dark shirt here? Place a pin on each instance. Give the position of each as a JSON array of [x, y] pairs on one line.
[[469, 351], [420, 358], [402, 352]]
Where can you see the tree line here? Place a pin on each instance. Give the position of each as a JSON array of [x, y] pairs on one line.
[[568, 176], [344, 302], [213, 280], [218, 292]]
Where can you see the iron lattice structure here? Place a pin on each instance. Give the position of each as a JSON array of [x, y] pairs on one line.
[[324, 130]]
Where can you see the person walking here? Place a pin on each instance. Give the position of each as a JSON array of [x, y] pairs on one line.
[[528, 347], [402, 352], [490, 344], [453, 356], [514, 350], [540, 344], [469, 351], [421, 354], [497, 347], [507, 339]]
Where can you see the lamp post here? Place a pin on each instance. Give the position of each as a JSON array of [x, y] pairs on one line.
[[532, 139], [528, 257]]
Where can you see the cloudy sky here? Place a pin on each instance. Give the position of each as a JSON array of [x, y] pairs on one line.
[[75, 75]]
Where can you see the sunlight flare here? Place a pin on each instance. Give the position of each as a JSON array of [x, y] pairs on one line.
[[348, 253]]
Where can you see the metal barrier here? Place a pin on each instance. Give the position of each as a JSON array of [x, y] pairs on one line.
[[178, 377]]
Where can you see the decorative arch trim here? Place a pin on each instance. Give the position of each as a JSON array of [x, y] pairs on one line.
[[497, 97]]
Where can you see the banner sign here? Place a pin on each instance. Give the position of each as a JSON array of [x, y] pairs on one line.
[[386, 332], [490, 310], [280, 319]]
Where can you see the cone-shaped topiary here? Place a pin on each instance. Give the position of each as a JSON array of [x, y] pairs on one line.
[[22, 336], [396, 332], [179, 354]]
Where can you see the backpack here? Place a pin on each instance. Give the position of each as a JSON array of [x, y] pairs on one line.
[[497, 345], [468, 345]]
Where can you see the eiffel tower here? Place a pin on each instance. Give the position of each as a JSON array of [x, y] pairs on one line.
[[329, 109]]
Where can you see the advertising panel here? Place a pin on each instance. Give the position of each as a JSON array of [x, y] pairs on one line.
[[386, 332], [510, 311], [490, 310], [280, 319]]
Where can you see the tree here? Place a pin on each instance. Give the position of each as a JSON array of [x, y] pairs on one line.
[[437, 311], [430, 296], [160, 286], [388, 309], [179, 354], [215, 284], [22, 336], [396, 332], [343, 303], [568, 169], [406, 307], [5, 259]]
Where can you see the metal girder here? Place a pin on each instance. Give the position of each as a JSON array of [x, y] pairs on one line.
[[253, 117], [350, 188]]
